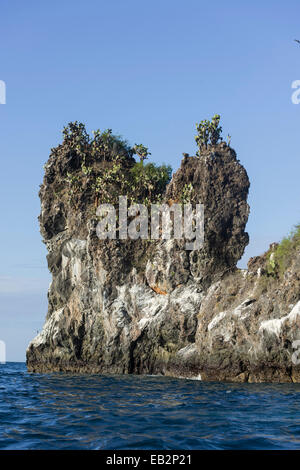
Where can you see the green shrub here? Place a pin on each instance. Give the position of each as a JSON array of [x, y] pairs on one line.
[[280, 259], [208, 132], [106, 160], [186, 193], [141, 151], [148, 182], [107, 144], [75, 134]]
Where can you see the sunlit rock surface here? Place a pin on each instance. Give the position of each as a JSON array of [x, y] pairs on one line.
[[153, 307]]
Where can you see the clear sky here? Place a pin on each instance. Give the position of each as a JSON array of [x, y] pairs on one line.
[[149, 71]]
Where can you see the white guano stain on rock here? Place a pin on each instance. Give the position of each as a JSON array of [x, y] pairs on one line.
[[72, 256], [216, 320], [187, 350], [275, 326], [143, 322], [147, 302], [50, 329], [188, 298], [240, 311]]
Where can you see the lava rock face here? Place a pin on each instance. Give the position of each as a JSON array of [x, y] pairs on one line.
[[153, 307]]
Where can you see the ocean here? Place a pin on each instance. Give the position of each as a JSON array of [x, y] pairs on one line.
[[72, 411]]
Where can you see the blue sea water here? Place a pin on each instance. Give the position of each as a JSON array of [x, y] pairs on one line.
[[72, 411]]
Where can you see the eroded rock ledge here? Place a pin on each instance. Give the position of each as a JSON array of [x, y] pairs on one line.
[[153, 307]]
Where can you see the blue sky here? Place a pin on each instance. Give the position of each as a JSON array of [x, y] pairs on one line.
[[149, 71]]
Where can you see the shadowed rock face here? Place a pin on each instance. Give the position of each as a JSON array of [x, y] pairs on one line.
[[154, 307]]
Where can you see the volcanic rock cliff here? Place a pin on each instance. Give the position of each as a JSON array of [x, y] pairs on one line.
[[153, 307]]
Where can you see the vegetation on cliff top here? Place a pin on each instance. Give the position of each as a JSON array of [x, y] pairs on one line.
[[208, 133], [107, 161], [281, 257], [103, 166]]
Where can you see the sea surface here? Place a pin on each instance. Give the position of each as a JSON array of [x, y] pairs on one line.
[[72, 411]]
